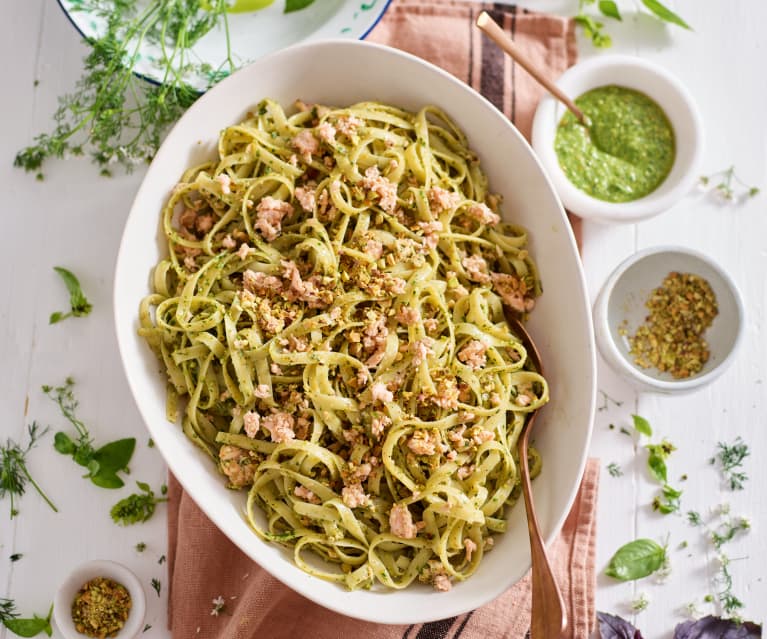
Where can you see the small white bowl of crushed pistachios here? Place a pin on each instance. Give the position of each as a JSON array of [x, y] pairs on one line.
[[100, 598], [669, 319]]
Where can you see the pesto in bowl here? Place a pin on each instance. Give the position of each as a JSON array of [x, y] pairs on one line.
[[626, 153]]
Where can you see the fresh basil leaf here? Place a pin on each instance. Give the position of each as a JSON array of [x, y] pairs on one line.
[[106, 478], [77, 301], [671, 503], [657, 467], [29, 627], [614, 627], [115, 456], [63, 443], [710, 627], [593, 30], [610, 9], [664, 13], [83, 455], [642, 425], [93, 467], [636, 559], [296, 5]]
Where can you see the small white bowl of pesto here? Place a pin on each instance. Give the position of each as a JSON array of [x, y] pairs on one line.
[[641, 153]]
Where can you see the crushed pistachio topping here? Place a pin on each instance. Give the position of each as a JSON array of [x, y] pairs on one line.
[[671, 337], [101, 608]]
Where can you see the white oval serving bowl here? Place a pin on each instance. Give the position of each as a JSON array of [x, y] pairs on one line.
[[621, 304], [342, 73], [65, 596], [653, 81]]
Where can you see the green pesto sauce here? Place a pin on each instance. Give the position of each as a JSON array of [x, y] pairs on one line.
[[628, 150]]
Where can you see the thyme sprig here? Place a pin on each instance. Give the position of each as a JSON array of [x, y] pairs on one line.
[[727, 186], [14, 473], [102, 463], [607, 400]]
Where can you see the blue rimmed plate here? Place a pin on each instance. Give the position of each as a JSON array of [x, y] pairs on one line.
[[252, 34]]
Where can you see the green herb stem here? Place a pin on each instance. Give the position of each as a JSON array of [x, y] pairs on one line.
[[38, 489]]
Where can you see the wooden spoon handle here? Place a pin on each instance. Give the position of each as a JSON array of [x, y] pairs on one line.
[[499, 36], [549, 617]]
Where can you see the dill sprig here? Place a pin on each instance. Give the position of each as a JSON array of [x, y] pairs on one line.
[[136, 508], [7, 610], [614, 469], [113, 115], [14, 473], [731, 458], [727, 600]]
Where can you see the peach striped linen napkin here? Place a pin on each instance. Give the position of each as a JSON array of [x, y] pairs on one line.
[[203, 564]]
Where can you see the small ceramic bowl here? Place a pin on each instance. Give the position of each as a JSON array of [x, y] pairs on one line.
[[621, 304], [65, 596], [653, 81]]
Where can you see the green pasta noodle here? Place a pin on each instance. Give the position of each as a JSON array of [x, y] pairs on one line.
[[331, 319]]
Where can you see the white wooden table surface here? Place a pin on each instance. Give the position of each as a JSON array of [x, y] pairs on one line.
[[74, 218]]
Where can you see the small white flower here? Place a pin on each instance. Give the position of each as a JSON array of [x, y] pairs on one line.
[[640, 603], [218, 605], [745, 523], [662, 574]]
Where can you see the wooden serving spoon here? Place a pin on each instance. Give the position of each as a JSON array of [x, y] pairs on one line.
[[493, 31], [549, 617]]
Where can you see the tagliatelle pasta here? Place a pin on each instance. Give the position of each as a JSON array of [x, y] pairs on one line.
[[331, 311]]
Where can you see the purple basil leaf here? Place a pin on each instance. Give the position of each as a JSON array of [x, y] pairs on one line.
[[715, 628], [613, 627]]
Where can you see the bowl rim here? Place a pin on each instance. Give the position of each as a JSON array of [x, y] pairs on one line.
[[432, 614], [86, 571], [644, 207], [616, 357]]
